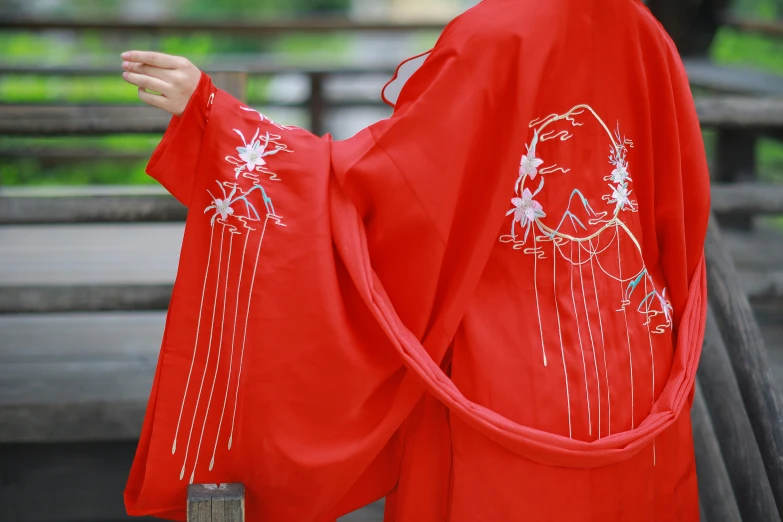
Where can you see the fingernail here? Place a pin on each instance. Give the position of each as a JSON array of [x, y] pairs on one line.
[[125, 65], [125, 75], [125, 55]]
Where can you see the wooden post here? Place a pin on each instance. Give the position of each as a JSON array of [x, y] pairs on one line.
[[715, 494], [213, 503], [733, 431], [736, 162], [748, 355], [317, 103], [234, 83]]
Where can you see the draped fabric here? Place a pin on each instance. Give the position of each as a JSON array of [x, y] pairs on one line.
[[489, 306]]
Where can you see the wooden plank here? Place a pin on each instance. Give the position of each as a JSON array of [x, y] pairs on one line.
[[21, 120], [42, 120], [89, 255], [213, 503], [76, 377], [715, 493], [253, 28], [748, 356], [740, 112], [747, 197], [120, 208], [88, 267], [707, 74], [92, 120], [733, 430], [212, 65], [766, 27], [18, 299], [83, 482], [153, 204]]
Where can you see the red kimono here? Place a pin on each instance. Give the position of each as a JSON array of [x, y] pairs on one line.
[[489, 306]]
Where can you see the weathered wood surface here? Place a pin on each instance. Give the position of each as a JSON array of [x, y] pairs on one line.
[[76, 377], [738, 327], [94, 120], [732, 430], [747, 197], [154, 204], [707, 74], [715, 492], [245, 27], [89, 205], [26, 119], [89, 267], [216, 503], [758, 257], [57, 482], [739, 111]]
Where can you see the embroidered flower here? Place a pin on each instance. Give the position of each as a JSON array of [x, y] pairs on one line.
[[252, 155], [666, 306], [620, 195], [529, 164], [222, 207], [620, 173], [526, 209]]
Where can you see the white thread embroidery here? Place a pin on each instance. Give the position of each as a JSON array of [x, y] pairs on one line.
[[528, 215], [238, 212]]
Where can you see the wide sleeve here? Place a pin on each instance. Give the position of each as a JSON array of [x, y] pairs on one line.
[[304, 262], [173, 163]]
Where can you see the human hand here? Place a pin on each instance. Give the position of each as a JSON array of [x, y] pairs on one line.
[[174, 77]]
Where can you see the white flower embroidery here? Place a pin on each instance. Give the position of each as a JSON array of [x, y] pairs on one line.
[[526, 210], [620, 196], [666, 306], [222, 207], [620, 173], [529, 164], [252, 155]]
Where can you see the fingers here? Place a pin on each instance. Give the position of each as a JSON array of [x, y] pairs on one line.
[[160, 102], [147, 82], [167, 75], [164, 61]]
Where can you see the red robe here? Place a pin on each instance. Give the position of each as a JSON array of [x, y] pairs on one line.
[[489, 306]]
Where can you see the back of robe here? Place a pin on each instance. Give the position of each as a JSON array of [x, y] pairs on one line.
[[489, 306]]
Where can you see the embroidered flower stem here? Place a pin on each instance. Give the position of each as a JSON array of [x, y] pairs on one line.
[[209, 350], [244, 334], [232, 231], [195, 344], [560, 333], [581, 347], [248, 230]]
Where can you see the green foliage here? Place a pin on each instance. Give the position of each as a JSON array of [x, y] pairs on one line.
[[32, 171], [732, 47]]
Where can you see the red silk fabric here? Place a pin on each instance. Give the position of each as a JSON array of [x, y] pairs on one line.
[[489, 306]]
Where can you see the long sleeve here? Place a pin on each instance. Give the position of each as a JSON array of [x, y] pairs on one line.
[[174, 161], [273, 354]]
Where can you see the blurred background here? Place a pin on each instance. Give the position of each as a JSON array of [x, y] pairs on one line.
[[89, 243]]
